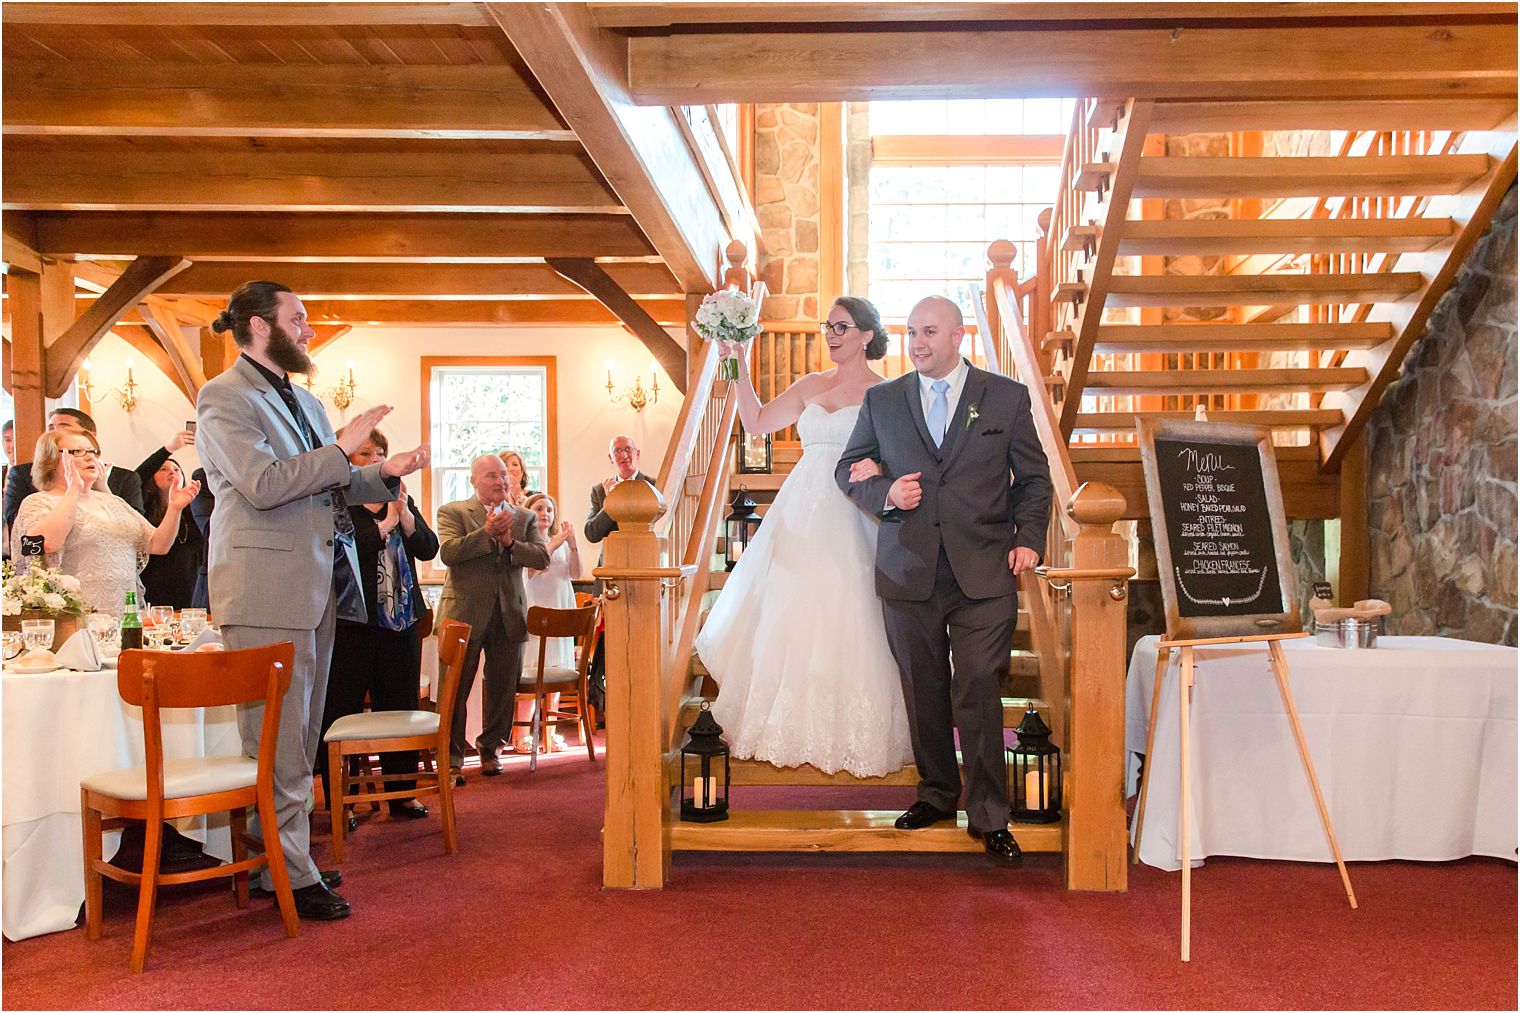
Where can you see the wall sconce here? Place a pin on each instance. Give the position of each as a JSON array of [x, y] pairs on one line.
[[636, 396], [341, 394], [126, 394]]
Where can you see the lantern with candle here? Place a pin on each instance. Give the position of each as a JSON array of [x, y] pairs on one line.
[[704, 784], [1036, 763], [738, 526]]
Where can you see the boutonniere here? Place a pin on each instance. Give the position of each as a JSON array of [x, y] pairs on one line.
[[972, 415]]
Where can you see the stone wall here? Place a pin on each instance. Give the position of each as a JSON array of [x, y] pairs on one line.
[[1442, 471], [787, 186]]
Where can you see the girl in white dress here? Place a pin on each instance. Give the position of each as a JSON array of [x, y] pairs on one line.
[[796, 641], [550, 588]]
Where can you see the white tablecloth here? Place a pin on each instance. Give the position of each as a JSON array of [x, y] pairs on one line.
[[59, 728], [1414, 744]]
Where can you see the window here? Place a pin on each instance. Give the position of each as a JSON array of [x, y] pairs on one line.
[[973, 116], [484, 405]]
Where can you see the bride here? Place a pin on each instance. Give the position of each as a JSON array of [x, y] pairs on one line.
[[796, 640]]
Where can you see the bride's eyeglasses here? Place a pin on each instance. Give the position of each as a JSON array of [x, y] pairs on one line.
[[838, 330]]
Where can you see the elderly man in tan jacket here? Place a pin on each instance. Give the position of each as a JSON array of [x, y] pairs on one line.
[[486, 542]]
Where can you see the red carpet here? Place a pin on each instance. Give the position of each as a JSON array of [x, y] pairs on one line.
[[521, 906]]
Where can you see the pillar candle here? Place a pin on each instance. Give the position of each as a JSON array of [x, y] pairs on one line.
[[1032, 783], [708, 799]]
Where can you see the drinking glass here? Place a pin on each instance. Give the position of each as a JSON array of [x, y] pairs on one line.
[[13, 641], [38, 633], [103, 627], [192, 622], [162, 617]]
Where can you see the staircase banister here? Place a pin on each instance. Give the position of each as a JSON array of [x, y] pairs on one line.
[[688, 427]]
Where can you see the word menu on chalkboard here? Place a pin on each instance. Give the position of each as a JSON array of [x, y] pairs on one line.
[[1221, 535]]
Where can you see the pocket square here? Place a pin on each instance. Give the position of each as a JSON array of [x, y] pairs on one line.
[[992, 432]]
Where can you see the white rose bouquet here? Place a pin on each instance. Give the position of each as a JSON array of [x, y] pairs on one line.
[[729, 315], [48, 590]]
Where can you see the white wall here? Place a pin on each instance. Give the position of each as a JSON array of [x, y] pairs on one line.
[[387, 368]]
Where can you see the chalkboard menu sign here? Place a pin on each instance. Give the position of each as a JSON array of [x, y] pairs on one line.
[[1221, 534]]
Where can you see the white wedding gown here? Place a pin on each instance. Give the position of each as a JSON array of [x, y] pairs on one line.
[[796, 640]]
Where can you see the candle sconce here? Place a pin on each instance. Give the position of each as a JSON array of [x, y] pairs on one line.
[[342, 393], [126, 394], [636, 396]]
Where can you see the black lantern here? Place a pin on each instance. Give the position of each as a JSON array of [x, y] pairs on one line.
[[738, 526], [704, 791], [1036, 764], [754, 453]]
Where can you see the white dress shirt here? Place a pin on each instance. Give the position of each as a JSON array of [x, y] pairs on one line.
[[957, 380]]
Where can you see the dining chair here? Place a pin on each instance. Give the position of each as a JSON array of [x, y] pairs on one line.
[[392, 731], [572, 684], [163, 789]]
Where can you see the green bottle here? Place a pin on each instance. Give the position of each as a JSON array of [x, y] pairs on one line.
[[131, 625]]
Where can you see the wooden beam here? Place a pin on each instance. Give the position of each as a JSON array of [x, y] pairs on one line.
[[1185, 338], [1259, 61], [1261, 289], [473, 238], [1281, 418], [217, 352], [1214, 237], [255, 15], [477, 101], [639, 148], [667, 351], [18, 255], [1195, 117], [535, 177], [187, 364], [448, 312], [326, 335], [1367, 176], [1199, 381], [141, 277], [145, 344], [411, 281], [27, 376]]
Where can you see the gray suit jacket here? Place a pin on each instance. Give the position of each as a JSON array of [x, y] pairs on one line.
[[969, 504], [599, 524], [271, 548], [482, 579]]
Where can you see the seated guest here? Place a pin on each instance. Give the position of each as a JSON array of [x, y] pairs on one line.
[[87, 530], [624, 455], [200, 512], [383, 655], [550, 588], [517, 476], [18, 484], [487, 543], [170, 579]]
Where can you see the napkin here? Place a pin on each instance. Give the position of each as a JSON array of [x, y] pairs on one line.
[[208, 639], [80, 652]]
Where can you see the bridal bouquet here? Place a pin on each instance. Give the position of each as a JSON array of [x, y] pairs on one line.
[[50, 592], [729, 315]]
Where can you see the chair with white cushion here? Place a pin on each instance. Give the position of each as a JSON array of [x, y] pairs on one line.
[[573, 684], [169, 789], [393, 731]]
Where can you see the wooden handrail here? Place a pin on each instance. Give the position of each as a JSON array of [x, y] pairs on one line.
[[688, 427]]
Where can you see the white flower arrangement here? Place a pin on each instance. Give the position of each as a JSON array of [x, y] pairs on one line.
[[47, 590], [729, 315]]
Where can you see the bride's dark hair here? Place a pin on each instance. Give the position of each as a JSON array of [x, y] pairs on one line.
[[865, 317]]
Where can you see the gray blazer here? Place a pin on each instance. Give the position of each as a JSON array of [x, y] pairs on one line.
[[969, 504], [600, 524], [271, 549], [482, 579]]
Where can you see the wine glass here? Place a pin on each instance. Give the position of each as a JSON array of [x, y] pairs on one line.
[[103, 627], [13, 641], [38, 633], [192, 622], [162, 618]]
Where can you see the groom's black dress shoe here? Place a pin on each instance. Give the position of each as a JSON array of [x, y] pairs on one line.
[[330, 878], [319, 904], [1000, 847], [920, 815]]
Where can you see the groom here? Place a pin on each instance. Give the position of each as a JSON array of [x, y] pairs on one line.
[[956, 531]]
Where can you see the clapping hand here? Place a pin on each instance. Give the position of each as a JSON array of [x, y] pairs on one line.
[[569, 534], [1022, 559], [499, 525], [404, 464], [181, 497], [862, 470], [359, 428]]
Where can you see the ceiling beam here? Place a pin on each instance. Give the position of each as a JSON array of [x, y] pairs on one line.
[[326, 334], [262, 15], [143, 340], [588, 275], [1402, 61], [640, 150], [165, 327], [275, 236], [266, 100], [413, 281], [499, 312], [538, 177], [141, 277]]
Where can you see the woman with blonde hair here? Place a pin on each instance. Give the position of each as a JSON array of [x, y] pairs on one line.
[[550, 588], [88, 531], [518, 492]]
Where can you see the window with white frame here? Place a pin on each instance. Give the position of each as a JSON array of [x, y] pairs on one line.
[[486, 406]]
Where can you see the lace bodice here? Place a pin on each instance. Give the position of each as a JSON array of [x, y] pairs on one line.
[[106, 548]]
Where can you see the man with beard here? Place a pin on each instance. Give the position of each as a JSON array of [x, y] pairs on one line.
[[282, 559]]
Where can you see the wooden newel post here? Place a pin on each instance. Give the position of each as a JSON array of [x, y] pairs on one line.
[[635, 849], [1096, 840]]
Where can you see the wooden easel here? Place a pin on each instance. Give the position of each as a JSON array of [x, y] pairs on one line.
[[1279, 663]]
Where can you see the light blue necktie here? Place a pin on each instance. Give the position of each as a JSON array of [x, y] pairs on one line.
[[939, 411]]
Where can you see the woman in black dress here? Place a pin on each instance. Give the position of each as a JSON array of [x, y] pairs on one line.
[[383, 657], [170, 579]]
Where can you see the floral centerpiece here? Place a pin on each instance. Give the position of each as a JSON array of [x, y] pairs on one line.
[[42, 593], [729, 315]]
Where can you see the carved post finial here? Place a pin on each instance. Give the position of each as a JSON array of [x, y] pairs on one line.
[[736, 274], [1043, 222], [634, 505], [1001, 255], [1096, 505]]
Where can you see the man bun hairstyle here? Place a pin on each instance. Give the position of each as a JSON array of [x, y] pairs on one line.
[[864, 314], [252, 299]]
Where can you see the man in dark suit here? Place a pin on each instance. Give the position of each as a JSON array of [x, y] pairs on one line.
[[955, 534], [624, 455], [18, 482], [486, 543]]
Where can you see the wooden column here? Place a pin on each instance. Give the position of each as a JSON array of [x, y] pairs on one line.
[[217, 352], [635, 849], [28, 359], [1353, 579], [1096, 840]]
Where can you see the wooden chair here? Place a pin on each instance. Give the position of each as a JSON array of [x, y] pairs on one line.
[[572, 683], [393, 731], [168, 789]]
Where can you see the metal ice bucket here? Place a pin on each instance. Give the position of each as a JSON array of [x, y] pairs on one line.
[[1355, 633]]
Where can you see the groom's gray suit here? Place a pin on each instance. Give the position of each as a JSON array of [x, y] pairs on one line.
[[942, 569]]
